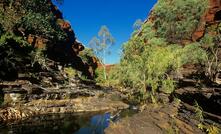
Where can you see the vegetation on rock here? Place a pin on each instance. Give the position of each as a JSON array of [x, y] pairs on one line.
[[33, 31], [176, 20], [154, 57], [151, 64]]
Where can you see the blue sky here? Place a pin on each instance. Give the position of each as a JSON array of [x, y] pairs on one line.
[[87, 16]]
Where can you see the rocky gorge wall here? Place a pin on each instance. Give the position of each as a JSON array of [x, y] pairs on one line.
[[63, 51], [72, 47], [203, 21]]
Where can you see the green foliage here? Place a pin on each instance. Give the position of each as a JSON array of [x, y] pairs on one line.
[[38, 57], [209, 129], [213, 64], [112, 75], [177, 19], [111, 79], [99, 76], [70, 72], [87, 54], [150, 57], [139, 97], [34, 17], [148, 61], [193, 53], [199, 112], [42, 25], [5, 38], [151, 64], [212, 129], [168, 86]]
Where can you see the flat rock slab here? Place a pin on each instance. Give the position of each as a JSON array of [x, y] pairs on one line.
[[154, 120], [79, 105], [86, 104]]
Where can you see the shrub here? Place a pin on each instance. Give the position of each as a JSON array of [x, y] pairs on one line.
[[38, 58], [86, 54], [212, 63], [70, 72], [99, 76]]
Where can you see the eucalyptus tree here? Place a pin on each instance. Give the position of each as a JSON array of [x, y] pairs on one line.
[[137, 24], [101, 45]]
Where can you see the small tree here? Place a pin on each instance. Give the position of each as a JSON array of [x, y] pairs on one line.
[[101, 45], [137, 24]]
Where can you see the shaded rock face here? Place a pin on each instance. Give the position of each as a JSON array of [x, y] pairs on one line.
[[211, 17], [92, 65], [72, 48], [65, 51]]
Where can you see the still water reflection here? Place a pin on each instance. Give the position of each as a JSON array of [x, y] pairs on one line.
[[60, 124]]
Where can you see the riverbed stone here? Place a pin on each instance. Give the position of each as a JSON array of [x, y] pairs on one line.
[[154, 120]]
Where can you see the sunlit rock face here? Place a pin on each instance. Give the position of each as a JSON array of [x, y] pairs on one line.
[[208, 23], [211, 17]]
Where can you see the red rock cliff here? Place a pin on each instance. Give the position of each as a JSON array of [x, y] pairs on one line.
[[211, 17]]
